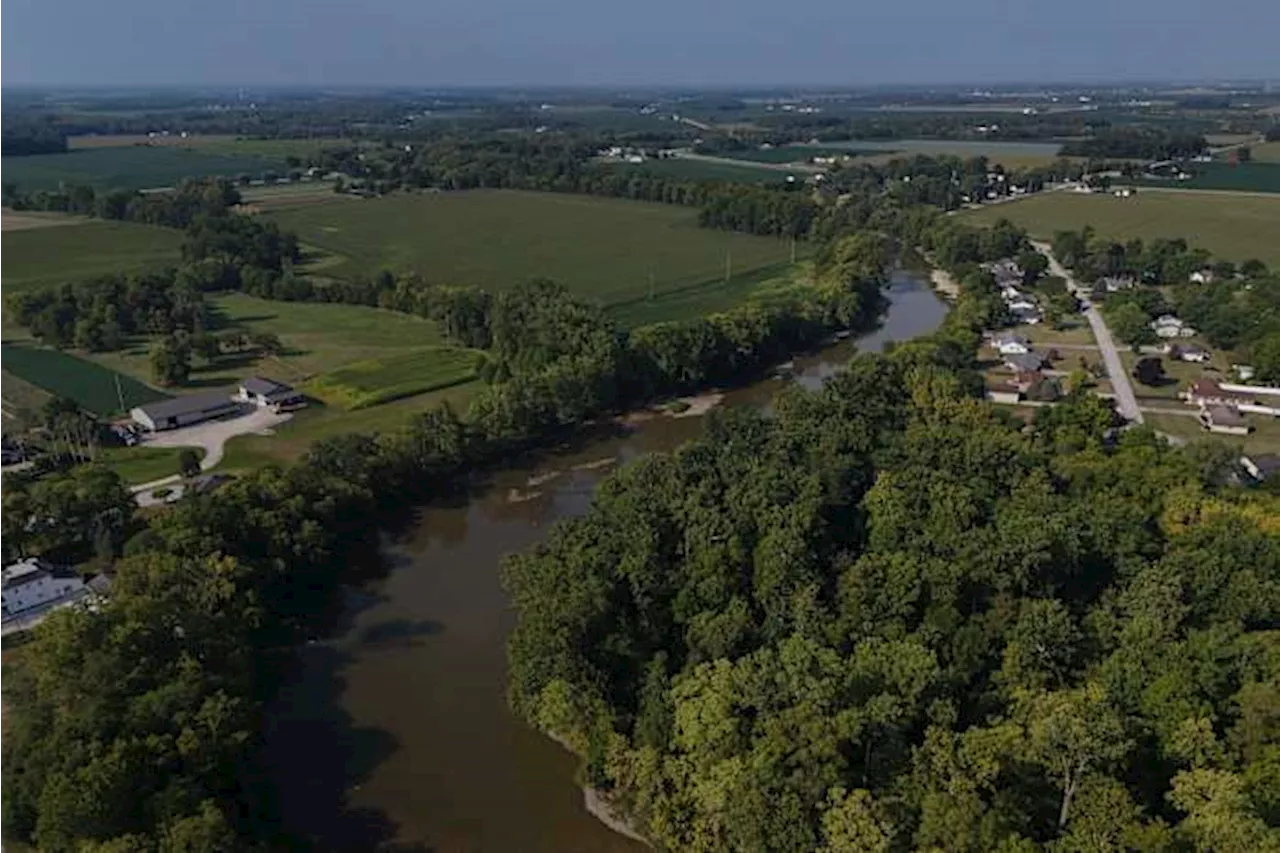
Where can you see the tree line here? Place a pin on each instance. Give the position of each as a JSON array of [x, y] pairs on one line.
[[1137, 143], [891, 617]]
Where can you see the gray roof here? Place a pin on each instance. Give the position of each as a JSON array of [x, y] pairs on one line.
[[258, 385], [1024, 361], [189, 404]]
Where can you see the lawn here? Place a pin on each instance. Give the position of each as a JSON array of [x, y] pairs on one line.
[[1235, 227], [610, 250], [381, 380], [1178, 375], [22, 402], [1266, 152], [1265, 437], [131, 167], [34, 257], [96, 388], [142, 464], [317, 338], [294, 438]]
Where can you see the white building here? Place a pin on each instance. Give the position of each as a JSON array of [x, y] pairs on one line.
[[1012, 345], [1169, 326], [267, 393], [32, 583]]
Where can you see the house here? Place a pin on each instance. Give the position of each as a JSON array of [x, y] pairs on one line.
[[1024, 362], [1207, 392], [1024, 379], [1025, 316], [1190, 353], [1261, 466], [1169, 326], [1205, 276], [1003, 392], [1116, 283], [185, 411], [267, 393], [32, 583], [1009, 344], [1022, 304], [1244, 371], [1226, 420]]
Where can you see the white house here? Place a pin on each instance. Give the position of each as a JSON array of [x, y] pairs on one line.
[[1205, 276], [1022, 303], [1012, 345], [267, 393], [32, 583], [1169, 326]]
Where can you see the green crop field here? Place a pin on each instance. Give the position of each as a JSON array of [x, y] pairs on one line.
[[796, 153], [1235, 227], [606, 249], [34, 257], [1242, 177], [96, 388], [131, 167], [1266, 152], [381, 380], [686, 169], [1013, 155]]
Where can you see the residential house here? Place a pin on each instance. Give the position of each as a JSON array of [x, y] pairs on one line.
[[1169, 326], [1003, 392], [1024, 362], [185, 411], [1207, 392], [1205, 276], [1190, 353], [1009, 344], [1225, 420], [33, 583], [1116, 283], [1261, 466], [1021, 303], [1026, 316], [267, 393], [1244, 371]]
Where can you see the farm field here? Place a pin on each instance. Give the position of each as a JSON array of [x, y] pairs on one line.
[[796, 153], [1009, 154], [1261, 177], [82, 248], [381, 380], [610, 250], [687, 169], [1266, 152], [96, 388], [131, 167], [1235, 227], [317, 338]]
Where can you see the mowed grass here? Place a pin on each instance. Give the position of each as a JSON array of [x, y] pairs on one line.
[[316, 338], [94, 387], [381, 380], [131, 167], [1235, 227], [37, 257], [1237, 177], [608, 250], [1264, 438], [1265, 152], [142, 464]]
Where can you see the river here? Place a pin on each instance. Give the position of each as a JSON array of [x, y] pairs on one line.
[[395, 733]]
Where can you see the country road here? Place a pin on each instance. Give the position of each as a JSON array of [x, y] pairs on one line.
[[1126, 401]]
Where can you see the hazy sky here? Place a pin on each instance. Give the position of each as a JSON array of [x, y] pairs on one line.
[[686, 42]]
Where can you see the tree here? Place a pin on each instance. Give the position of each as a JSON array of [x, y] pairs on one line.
[[188, 462], [170, 361], [1132, 325], [1149, 371]]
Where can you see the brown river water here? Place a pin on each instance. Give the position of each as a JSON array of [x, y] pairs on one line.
[[394, 734]]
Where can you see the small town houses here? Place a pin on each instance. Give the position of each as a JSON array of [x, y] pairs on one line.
[[1169, 326]]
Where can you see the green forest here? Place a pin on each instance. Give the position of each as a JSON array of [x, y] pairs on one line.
[[892, 618]]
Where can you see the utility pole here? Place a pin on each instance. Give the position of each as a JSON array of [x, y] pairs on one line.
[[120, 394]]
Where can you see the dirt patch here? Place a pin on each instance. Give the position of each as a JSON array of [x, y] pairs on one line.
[[945, 283], [13, 220], [699, 405]]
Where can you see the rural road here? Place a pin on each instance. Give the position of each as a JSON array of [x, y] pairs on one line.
[[1126, 401]]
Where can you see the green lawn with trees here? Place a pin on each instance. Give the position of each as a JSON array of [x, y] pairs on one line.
[[606, 249], [1235, 227], [39, 257]]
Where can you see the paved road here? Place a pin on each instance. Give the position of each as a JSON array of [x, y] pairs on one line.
[[1126, 401]]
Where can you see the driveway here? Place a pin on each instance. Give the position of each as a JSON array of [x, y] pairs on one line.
[[211, 437], [1126, 401]]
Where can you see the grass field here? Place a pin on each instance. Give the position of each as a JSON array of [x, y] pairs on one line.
[[381, 380], [1235, 227], [706, 170], [317, 338], [91, 385], [1014, 155], [1266, 152], [796, 153], [142, 464], [130, 167], [34, 257], [22, 402], [1262, 177], [1265, 437], [610, 250]]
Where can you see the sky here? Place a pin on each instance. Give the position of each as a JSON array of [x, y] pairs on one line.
[[652, 42]]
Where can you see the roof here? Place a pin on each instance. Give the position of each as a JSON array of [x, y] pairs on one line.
[[258, 385], [189, 404], [1228, 416], [1027, 361], [1210, 389], [23, 572], [1010, 338], [1265, 463]]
